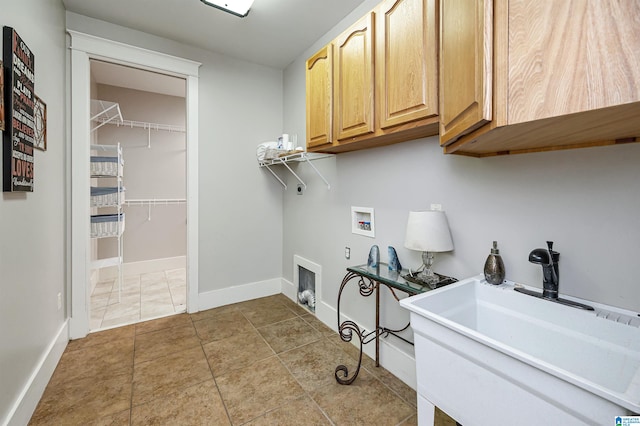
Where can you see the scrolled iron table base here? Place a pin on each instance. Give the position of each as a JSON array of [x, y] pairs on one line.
[[348, 329]]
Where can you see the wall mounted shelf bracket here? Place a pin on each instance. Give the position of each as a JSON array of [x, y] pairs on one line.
[[306, 157]]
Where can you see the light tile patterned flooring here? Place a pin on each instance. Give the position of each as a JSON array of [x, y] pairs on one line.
[[261, 362], [142, 297]]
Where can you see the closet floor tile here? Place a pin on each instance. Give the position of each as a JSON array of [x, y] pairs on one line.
[[142, 297]]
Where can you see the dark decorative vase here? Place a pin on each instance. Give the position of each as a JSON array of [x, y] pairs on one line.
[[494, 266]]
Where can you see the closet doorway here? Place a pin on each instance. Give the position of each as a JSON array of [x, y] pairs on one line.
[[83, 50], [138, 272]]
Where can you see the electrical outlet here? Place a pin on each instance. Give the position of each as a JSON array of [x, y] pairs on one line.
[[59, 301], [436, 207], [347, 253]]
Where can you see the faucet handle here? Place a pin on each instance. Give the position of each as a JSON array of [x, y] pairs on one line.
[[550, 245]]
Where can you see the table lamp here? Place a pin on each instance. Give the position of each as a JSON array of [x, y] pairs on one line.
[[428, 232]]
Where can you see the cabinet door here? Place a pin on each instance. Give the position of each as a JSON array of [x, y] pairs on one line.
[[406, 61], [466, 58], [354, 82], [319, 76], [571, 57]]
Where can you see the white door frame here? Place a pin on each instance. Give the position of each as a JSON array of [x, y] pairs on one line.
[[83, 48]]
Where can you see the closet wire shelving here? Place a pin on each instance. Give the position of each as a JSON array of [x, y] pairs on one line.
[[107, 112], [117, 233]]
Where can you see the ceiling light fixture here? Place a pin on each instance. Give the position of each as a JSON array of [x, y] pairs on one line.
[[235, 7]]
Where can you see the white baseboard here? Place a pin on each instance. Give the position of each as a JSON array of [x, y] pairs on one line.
[[144, 267], [289, 290], [27, 401], [240, 293], [399, 363]]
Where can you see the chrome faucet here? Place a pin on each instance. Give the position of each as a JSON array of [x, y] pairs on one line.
[[550, 272]]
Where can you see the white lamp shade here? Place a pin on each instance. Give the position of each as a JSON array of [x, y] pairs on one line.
[[428, 231]]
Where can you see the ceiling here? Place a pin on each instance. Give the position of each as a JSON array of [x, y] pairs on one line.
[[273, 34], [134, 78]]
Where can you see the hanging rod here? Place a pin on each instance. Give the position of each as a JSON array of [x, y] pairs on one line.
[[151, 126], [152, 202]]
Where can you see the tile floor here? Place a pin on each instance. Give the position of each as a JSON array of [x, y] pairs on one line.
[[260, 362], [143, 297]]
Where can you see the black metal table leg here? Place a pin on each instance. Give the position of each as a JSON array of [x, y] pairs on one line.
[[348, 329]]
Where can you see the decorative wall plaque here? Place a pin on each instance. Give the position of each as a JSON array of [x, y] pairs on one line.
[[1, 96], [18, 137], [39, 124]]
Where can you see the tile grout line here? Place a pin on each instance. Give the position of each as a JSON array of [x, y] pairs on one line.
[[213, 376], [277, 355], [306, 392]]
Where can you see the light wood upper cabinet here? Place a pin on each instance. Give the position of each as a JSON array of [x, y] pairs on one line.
[[319, 80], [465, 66], [569, 57], [354, 80], [406, 61], [553, 75], [384, 79]]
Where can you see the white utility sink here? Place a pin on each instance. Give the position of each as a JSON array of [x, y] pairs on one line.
[[488, 355]]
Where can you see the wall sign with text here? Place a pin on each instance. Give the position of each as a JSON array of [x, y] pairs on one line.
[[19, 97]]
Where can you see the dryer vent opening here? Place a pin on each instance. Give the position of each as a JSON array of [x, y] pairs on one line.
[[307, 280]]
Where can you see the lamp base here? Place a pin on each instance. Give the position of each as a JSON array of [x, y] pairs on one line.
[[442, 280], [425, 275]]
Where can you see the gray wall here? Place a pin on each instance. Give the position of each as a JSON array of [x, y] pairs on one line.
[[155, 172], [32, 226], [586, 201], [240, 215]]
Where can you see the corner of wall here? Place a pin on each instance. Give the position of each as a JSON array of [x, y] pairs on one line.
[[27, 401]]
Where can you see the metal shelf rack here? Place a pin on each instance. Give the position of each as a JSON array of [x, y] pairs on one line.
[[300, 157]]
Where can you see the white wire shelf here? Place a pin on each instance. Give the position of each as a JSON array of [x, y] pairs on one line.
[[152, 202], [300, 157], [105, 112], [117, 148], [151, 126]]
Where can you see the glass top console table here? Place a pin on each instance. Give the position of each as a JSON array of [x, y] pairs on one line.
[[369, 280]]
